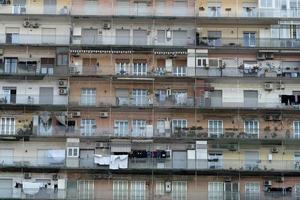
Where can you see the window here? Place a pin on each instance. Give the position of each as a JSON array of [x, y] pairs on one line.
[[215, 128], [9, 95], [249, 39], [252, 191], [120, 190], [179, 190], [202, 62], [12, 35], [251, 128], [214, 10], [215, 190], [159, 188], [179, 71], [138, 190], [297, 191], [86, 189], [215, 160], [121, 128], [88, 96], [161, 36], [297, 160], [178, 124], [88, 127], [138, 128], [139, 97], [266, 3], [122, 68], [214, 38], [10, 65], [296, 129], [8, 126], [73, 152], [140, 69], [249, 10], [62, 59]]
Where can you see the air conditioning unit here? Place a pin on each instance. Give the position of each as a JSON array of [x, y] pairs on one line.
[[104, 114], [35, 25], [55, 177], [168, 34], [63, 91], [106, 26], [63, 83], [76, 114], [169, 92], [268, 86], [26, 24], [274, 150], [268, 183], [102, 145], [269, 55], [27, 175], [261, 56], [168, 186]]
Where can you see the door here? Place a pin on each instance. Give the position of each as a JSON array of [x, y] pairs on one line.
[[122, 97], [179, 38], [139, 37], [10, 66], [249, 39], [251, 160], [139, 97], [216, 98], [122, 36], [214, 38], [50, 6], [89, 36], [6, 156], [251, 98], [6, 188], [231, 191], [179, 159], [10, 94], [48, 35], [46, 95], [86, 158]]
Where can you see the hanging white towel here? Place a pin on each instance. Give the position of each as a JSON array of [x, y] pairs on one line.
[[31, 188], [101, 160], [123, 164]]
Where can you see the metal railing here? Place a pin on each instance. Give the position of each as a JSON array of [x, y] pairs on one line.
[[33, 99], [35, 10], [255, 43], [34, 39], [174, 133], [158, 163]]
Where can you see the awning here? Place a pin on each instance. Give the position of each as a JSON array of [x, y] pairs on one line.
[[124, 146], [31, 188], [57, 155]]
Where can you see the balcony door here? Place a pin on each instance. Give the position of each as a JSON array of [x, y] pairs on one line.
[[46, 95], [6, 188], [50, 6], [251, 98], [10, 65], [249, 39]]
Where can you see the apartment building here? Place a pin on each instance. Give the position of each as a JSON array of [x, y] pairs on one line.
[[150, 99]]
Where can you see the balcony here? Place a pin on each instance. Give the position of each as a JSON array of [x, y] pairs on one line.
[[136, 8], [244, 43], [61, 8], [33, 99], [34, 39], [142, 41], [248, 12]]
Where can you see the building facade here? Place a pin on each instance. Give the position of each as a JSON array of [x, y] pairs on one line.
[[150, 99]]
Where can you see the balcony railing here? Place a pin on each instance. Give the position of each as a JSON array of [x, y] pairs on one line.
[[250, 12], [255, 43], [34, 70], [161, 164], [133, 41], [61, 9], [34, 39], [33, 99], [142, 132]]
